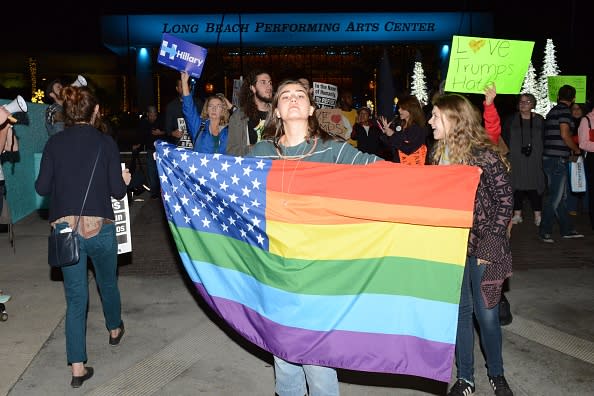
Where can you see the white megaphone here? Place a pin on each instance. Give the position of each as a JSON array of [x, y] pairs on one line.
[[18, 105], [79, 82]]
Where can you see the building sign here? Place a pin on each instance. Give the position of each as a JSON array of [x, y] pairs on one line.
[[121, 31]]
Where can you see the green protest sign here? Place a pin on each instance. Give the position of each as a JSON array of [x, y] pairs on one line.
[[477, 62], [578, 82]]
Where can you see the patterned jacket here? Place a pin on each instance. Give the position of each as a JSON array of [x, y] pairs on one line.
[[493, 208]]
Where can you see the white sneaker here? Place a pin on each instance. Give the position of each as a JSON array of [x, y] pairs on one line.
[[517, 219], [537, 221]]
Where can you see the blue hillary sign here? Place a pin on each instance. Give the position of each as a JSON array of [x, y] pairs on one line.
[[181, 55]]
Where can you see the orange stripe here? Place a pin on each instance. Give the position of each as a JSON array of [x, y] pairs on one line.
[[306, 209], [421, 186]]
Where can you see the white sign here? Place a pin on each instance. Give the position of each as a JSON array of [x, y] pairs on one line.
[[185, 140], [121, 211], [325, 95]]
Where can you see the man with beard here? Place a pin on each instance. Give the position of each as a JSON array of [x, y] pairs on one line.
[[246, 124]]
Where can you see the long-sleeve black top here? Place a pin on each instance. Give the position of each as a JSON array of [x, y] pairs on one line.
[[66, 166]]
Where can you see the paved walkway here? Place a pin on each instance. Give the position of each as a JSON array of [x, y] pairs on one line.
[[174, 344]]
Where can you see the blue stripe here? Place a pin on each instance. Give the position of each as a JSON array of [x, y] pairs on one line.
[[373, 313]]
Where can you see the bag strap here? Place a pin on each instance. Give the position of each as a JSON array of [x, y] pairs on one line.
[[87, 192]]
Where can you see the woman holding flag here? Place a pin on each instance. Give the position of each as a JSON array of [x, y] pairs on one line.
[[461, 139], [292, 132]]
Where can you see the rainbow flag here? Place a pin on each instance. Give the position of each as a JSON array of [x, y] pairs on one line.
[[347, 266]]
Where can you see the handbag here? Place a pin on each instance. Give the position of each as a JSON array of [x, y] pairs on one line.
[[578, 175], [63, 247]]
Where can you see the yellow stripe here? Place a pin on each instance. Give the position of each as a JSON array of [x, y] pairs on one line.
[[353, 241]]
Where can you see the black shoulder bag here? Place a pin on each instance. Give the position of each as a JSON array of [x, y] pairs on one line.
[[63, 246]]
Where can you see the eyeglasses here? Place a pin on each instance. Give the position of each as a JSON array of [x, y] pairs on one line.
[[218, 106]]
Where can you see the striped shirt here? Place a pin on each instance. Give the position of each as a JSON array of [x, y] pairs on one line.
[[554, 146], [316, 150]]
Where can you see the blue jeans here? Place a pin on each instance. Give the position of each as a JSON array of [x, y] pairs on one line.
[[555, 205], [291, 379], [152, 174], [471, 301], [103, 251]]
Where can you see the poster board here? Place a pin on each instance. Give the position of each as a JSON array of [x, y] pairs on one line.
[[477, 62]]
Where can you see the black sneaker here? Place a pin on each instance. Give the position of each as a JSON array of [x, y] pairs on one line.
[[500, 386], [461, 388]]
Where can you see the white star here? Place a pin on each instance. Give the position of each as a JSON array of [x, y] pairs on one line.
[[164, 178], [255, 203], [213, 215], [213, 174], [184, 157], [256, 184], [234, 179], [185, 200], [205, 222], [175, 164], [250, 227], [256, 221], [231, 220], [260, 164], [165, 152], [233, 197], [202, 180], [192, 169], [225, 203], [220, 209], [174, 188], [187, 219], [167, 197], [247, 171], [225, 227], [238, 160], [224, 186], [177, 207], [244, 208], [204, 161], [243, 233], [217, 156], [225, 166], [246, 191], [260, 239], [195, 211]]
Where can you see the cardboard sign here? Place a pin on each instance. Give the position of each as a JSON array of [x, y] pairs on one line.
[[578, 82], [333, 121], [325, 95], [182, 55], [477, 62], [121, 211]]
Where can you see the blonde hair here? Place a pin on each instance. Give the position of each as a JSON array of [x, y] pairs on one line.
[[467, 136], [224, 119]]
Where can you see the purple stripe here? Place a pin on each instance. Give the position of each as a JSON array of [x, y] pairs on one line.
[[381, 353]]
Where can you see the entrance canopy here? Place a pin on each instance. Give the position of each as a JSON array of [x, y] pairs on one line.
[[121, 32]]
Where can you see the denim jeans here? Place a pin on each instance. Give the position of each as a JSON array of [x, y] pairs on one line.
[[291, 379], [555, 205], [471, 301], [103, 251]]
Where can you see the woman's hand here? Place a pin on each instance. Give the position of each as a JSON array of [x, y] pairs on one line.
[[126, 176], [385, 126], [490, 93]]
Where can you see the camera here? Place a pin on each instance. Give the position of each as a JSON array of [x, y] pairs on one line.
[[526, 150]]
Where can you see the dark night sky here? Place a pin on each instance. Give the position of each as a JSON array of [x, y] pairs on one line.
[[70, 26]]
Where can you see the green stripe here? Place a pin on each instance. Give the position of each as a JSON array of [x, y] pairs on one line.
[[387, 275]]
